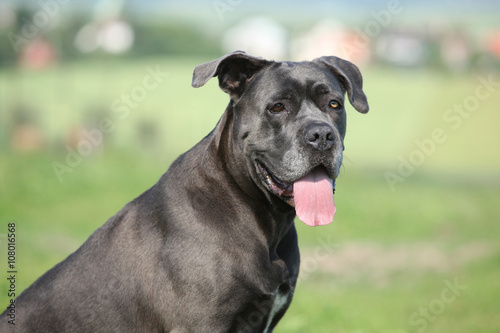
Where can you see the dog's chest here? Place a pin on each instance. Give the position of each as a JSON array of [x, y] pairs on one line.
[[280, 301], [262, 314]]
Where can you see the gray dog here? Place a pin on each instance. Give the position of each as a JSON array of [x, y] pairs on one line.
[[212, 246]]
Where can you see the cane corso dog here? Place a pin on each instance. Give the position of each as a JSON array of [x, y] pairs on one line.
[[212, 246]]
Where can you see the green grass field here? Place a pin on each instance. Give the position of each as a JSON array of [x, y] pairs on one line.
[[420, 256]]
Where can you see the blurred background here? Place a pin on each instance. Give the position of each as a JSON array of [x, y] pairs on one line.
[[96, 102]]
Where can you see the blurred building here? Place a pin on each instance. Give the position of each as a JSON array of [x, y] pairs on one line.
[[259, 36], [330, 37], [107, 31], [37, 53], [456, 51], [493, 44], [401, 48]]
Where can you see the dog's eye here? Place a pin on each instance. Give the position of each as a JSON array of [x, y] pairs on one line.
[[277, 108], [335, 105]]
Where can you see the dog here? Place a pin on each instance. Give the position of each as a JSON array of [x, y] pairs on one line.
[[212, 246]]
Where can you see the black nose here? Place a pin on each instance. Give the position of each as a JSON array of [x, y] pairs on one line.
[[320, 136]]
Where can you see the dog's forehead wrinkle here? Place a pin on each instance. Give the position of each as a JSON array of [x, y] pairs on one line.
[[299, 78], [333, 87]]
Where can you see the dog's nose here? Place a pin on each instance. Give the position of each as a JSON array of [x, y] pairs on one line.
[[320, 136]]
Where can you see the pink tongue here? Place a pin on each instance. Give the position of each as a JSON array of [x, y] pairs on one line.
[[313, 196]]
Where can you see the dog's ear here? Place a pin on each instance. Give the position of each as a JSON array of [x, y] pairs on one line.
[[234, 71], [350, 78]]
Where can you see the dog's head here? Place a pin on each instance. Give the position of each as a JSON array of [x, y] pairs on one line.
[[290, 123]]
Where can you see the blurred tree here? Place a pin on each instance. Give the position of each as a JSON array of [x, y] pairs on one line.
[[170, 38]]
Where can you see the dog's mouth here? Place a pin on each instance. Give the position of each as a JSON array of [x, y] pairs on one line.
[[278, 187], [311, 195]]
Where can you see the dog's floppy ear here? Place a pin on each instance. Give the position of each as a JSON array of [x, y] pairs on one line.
[[350, 77], [234, 70]]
